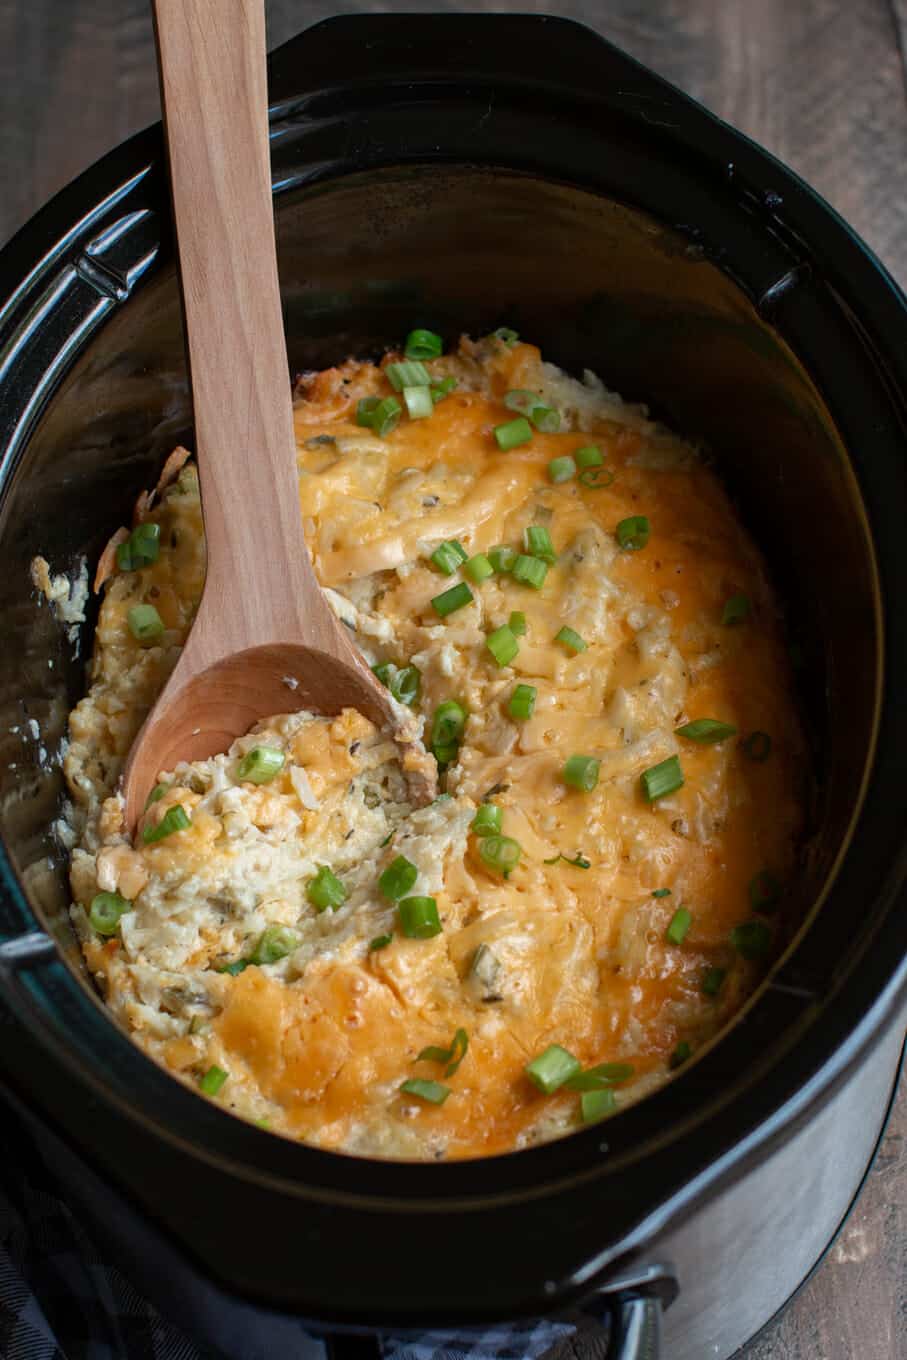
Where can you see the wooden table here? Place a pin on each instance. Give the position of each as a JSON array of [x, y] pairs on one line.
[[822, 83]]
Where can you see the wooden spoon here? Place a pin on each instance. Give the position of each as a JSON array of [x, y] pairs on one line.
[[264, 640]]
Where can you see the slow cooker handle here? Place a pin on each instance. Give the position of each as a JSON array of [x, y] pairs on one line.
[[635, 1327]]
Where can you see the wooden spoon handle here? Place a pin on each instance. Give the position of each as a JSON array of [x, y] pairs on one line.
[[214, 89]]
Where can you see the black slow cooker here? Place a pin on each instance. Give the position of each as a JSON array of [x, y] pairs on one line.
[[463, 172]]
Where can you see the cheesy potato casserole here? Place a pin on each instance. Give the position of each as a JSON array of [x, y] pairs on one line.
[[559, 591]]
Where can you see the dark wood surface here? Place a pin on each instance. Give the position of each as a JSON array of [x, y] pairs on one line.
[[821, 83]]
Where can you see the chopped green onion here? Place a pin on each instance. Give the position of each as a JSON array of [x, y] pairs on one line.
[[561, 469], [503, 645], [454, 598], [506, 336], [517, 623], [325, 890], [145, 623], [519, 399], [212, 1081], [419, 919], [588, 456], [448, 556], [418, 402], [502, 558], [597, 1078], [706, 731], [448, 722], [435, 1092], [661, 779], [579, 863], [261, 764], [174, 819], [633, 533], [571, 640], [379, 942], [422, 344], [680, 1055], [758, 746], [530, 571], [445, 752], [155, 795], [596, 1105], [404, 682], [681, 921], [596, 478], [712, 980], [765, 892], [537, 542], [513, 433], [105, 912], [276, 943], [442, 389], [552, 1069], [386, 416], [661, 892], [501, 853], [522, 702], [453, 1056], [141, 548], [408, 374], [478, 568], [545, 419], [398, 878], [487, 821], [581, 772], [735, 610], [365, 411], [235, 968], [751, 939]]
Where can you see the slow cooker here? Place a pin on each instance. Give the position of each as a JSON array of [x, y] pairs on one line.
[[463, 172]]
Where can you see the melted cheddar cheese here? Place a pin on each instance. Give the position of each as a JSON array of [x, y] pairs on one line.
[[571, 948]]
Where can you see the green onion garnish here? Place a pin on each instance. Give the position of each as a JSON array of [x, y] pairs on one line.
[[588, 456], [212, 1081], [454, 598], [365, 411], [519, 399], [633, 533], [517, 623], [571, 640], [513, 433], [435, 1092], [661, 892], [325, 890], [661, 779], [758, 746], [488, 819], [141, 548], [442, 389], [706, 731], [597, 1078], [398, 878], [751, 939], [579, 863], [765, 892], [261, 764], [419, 919], [502, 558], [448, 556], [453, 1056], [561, 469], [506, 336], [145, 623], [530, 571], [421, 344], [596, 1105], [501, 853], [545, 419], [581, 772], [537, 542], [596, 478], [386, 416], [408, 374], [105, 912], [174, 819], [522, 702], [275, 943], [551, 1069], [680, 1055], [478, 568], [503, 645], [448, 723], [712, 980], [681, 921], [235, 968], [418, 402], [736, 609], [445, 752], [379, 942], [155, 795], [404, 682]]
